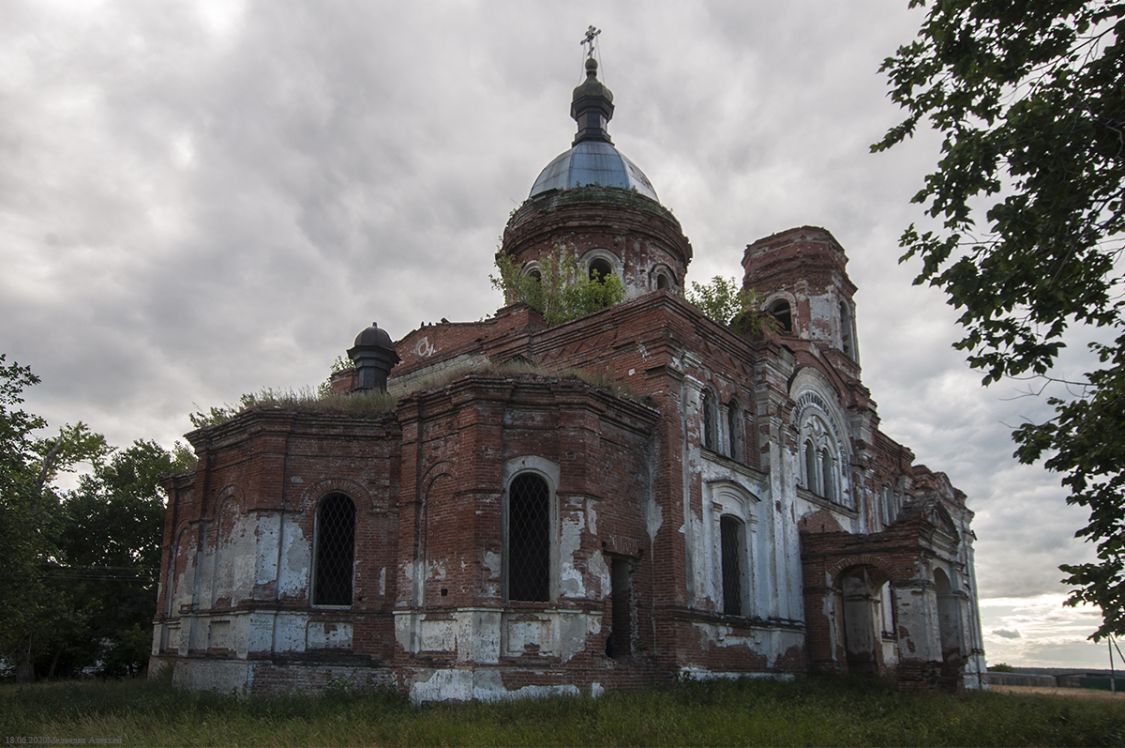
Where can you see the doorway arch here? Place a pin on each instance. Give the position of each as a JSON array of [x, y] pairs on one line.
[[949, 617], [859, 589]]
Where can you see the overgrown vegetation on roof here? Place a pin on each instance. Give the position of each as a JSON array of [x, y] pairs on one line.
[[304, 400], [307, 400], [557, 288], [722, 301]]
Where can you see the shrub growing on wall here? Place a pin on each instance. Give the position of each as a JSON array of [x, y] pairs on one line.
[[559, 291]]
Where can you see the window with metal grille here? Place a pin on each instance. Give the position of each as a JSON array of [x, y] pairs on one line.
[[529, 539], [335, 550], [730, 538]]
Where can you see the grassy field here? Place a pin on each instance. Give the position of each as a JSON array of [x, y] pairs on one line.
[[809, 712]]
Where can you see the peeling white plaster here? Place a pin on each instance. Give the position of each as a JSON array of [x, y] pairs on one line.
[[654, 518], [702, 673], [289, 632], [492, 564], [329, 635], [482, 685], [296, 563], [265, 552], [438, 635], [599, 570], [571, 580]]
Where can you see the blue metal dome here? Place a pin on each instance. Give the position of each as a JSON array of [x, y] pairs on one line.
[[592, 162]]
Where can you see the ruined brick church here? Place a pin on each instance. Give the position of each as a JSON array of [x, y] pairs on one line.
[[635, 496]]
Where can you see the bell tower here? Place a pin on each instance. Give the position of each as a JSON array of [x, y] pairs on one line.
[[801, 280]]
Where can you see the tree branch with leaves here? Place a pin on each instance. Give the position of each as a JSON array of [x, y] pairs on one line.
[[722, 300], [1030, 100]]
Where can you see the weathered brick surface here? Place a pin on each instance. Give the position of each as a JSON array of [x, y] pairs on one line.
[[631, 480]]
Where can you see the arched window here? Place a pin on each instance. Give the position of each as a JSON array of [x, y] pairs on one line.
[[733, 558], [532, 270], [822, 460], [661, 278], [888, 506], [600, 269], [887, 610], [734, 429], [782, 314], [528, 551], [810, 467], [710, 421], [949, 616], [846, 339], [335, 550], [828, 482]]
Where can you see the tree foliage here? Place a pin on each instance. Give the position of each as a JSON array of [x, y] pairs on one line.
[[109, 545], [1030, 99], [78, 583], [559, 291], [722, 300]]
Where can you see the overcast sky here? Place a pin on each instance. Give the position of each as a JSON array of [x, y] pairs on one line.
[[199, 200]]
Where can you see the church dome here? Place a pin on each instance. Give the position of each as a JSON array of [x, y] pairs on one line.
[[592, 160], [374, 336]]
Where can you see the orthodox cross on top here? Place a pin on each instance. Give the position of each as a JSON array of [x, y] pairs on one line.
[[588, 40]]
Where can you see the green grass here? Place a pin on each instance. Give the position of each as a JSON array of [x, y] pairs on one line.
[[809, 712]]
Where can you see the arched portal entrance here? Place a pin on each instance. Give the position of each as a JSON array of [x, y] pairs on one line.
[[862, 620], [949, 617]]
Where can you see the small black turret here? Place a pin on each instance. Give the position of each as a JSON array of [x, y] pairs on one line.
[[374, 356]]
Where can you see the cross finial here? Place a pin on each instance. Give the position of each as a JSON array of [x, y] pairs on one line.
[[588, 40]]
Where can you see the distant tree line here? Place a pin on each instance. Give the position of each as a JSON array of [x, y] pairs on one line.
[[80, 566]]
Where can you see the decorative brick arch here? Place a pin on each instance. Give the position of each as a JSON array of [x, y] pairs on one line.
[[181, 560], [791, 300], [878, 563], [434, 473], [662, 270], [617, 266], [312, 495], [227, 512], [821, 427], [728, 498]]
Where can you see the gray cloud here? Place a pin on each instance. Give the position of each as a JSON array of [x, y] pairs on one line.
[[1006, 634]]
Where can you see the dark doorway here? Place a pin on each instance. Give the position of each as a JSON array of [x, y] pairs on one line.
[[861, 641], [620, 641]]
